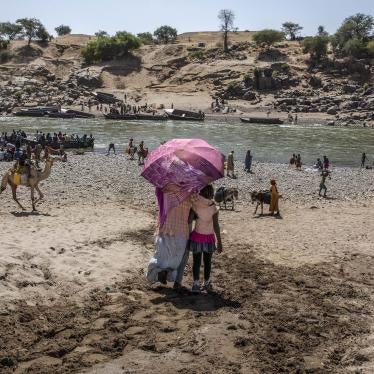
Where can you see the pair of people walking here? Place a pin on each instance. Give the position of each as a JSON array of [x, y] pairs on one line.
[[191, 226]]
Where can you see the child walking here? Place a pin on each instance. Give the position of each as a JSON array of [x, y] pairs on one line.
[[202, 241]]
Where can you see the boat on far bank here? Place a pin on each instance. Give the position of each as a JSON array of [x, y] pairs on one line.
[[184, 115], [264, 120], [137, 116], [52, 112]]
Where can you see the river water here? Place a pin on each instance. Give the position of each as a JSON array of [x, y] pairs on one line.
[[274, 143]]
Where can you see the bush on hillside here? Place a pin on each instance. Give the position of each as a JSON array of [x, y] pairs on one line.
[[316, 46], [268, 37], [107, 48], [145, 38], [355, 47]]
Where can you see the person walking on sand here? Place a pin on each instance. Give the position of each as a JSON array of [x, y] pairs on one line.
[[111, 146], [248, 162], [322, 185], [274, 200], [363, 159], [230, 164], [170, 256], [202, 240], [298, 162]]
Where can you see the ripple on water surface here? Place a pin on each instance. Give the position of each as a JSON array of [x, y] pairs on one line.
[[268, 142]]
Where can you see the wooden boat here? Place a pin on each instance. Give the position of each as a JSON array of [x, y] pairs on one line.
[[70, 113], [264, 120], [184, 115], [36, 111], [138, 116], [115, 116], [53, 112]]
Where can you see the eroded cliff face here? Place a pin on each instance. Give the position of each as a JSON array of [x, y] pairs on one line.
[[47, 73]]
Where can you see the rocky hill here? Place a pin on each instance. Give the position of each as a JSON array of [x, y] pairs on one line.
[[191, 73]]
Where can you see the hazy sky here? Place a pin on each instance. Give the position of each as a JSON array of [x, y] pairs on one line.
[[88, 16]]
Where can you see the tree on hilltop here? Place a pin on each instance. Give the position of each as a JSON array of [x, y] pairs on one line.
[[32, 28], [291, 29], [268, 37], [321, 31], [165, 34], [43, 34], [226, 16], [9, 30], [352, 36], [101, 34], [145, 37], [63, 30]]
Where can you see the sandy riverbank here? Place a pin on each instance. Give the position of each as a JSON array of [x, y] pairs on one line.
[[292, 293]]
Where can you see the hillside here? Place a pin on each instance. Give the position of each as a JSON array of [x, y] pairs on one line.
[[180, 73]]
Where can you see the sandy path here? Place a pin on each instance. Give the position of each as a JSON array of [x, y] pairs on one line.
[[286, 298], [68, 251]]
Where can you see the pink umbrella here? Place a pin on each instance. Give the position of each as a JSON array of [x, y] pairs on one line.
[[190, 164]]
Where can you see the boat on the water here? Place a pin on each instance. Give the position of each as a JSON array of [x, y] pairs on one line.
[[264, 120], [53, 112], [36, 111], [184, 115], [70, 113], [138, 116]]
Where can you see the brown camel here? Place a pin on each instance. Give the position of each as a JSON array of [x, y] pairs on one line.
[[32, 182]]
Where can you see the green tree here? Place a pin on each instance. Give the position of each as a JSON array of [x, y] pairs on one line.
[[355, 47], [268, 37], [63, 30], [291, 29], [42, 34], [354, 31], [165, 34], [145, 37], [226, 16], [31, 27], [101, 33], [321, 31], [9, 30], [107, 48], [316, 46]]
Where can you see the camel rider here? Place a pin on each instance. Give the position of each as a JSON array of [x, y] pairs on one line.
[[21, 169]]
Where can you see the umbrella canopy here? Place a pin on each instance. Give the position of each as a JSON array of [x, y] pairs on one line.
[[190, 164]]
